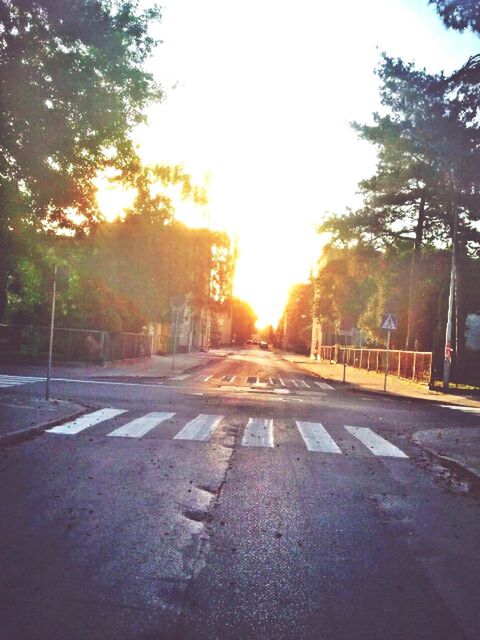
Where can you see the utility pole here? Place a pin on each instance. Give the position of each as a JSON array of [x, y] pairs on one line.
[[447, 362], [50, 343]]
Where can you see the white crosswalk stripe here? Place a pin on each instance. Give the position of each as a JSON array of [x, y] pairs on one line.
[[200, 428], [325, 386], [317, 438], [141, 426], [86, 421], [474, 410], [13, 381], [377, 445], [258, 433], [182, 376]]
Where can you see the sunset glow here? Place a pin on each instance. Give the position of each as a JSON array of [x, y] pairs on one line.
[[259, 98]]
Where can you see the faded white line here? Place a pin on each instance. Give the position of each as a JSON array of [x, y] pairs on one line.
[[377, 445], [305, 384], [324, 385], [461, 408], [182, 376], [208, 378], [200, 428], [139, 427], [281, 391], [84, 422], [317, 438], [282, 383], [258, 433], [295, 382]]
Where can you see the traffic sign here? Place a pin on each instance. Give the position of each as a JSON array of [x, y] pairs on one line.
[[389, 322]]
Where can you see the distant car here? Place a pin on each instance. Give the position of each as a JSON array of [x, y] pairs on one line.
[[263, 344], [249, 342]]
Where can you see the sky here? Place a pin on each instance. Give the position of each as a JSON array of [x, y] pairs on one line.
[[259, 95]]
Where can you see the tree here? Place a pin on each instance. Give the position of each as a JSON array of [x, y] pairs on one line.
[[459, 14], [73, 88], [427, 159], [243, 320], [298, 313]]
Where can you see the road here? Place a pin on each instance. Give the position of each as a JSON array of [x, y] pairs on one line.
[[245, 500]]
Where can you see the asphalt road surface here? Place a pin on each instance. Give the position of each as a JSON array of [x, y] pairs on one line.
[[246, 500]]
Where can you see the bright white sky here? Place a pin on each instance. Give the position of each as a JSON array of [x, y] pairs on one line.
[[259, 96]]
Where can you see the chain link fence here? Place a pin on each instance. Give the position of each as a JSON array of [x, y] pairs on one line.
[[409, 365], [30, 344]]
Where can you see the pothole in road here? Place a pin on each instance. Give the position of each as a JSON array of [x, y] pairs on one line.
[[198, 516]]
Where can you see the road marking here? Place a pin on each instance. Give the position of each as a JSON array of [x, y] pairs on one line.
[[233, 379], [208, 378], [271, 381], [295, 382], [84, 422], [258, 433], [282, 383], [377, 445], [139, 427], [12, 381], [324, 385], [317, 438], [461, 408], [281, 391], [305, 384], [182, 376], [200, 428]]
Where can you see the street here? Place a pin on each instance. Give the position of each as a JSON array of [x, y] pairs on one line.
[[246, 499]]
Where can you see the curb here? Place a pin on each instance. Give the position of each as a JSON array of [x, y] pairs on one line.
[[15, 437]]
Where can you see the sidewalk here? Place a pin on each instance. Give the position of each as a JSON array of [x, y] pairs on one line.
[[153, 367], [371, 381], [23, 417]]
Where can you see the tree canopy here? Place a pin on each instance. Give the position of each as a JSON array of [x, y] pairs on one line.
[[73, 87]]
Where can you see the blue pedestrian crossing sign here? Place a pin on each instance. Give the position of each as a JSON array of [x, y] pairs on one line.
[[389, 322]]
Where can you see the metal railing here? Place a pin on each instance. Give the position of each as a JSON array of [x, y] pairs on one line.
[[408, 365], [30, 343]]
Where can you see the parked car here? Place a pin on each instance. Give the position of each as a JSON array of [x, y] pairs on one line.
[[263, 344]]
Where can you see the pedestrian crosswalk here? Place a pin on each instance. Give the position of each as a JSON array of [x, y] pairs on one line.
[[257, 432], [265, 382], [13, 381], [463, 409]]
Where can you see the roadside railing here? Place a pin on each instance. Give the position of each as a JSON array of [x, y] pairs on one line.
[[408, 365], [30, 343]]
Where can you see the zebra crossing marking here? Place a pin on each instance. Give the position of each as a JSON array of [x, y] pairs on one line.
[[13, 381], [475, 410], [182, 376], [258, 433], [375, 443], [324, 386], [295, 382], [208, 378], [141, 426], [200, 428], [317, 438], [86, 421]]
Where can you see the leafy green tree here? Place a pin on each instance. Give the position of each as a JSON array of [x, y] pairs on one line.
[[298, 312], [73, 88]]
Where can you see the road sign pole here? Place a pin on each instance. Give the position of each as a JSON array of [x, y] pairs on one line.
[[386, 364], [175, 340], [345, 359], [50, 344]]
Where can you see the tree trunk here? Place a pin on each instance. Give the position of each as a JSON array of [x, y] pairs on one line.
[[4, 249], [412, 285]]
